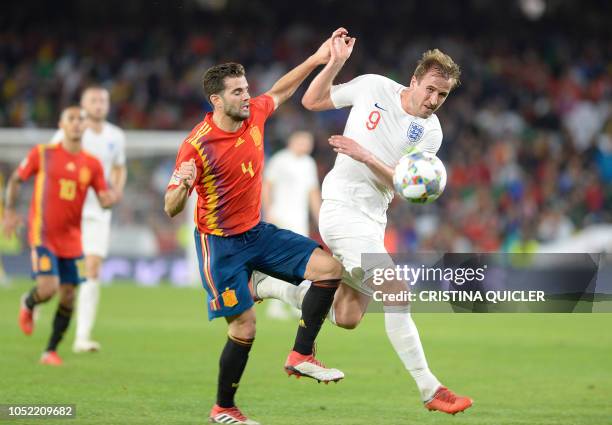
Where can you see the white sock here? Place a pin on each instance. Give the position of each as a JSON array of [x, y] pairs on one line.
[[87, 305], [276, 309], [293, 295], [404, 337]]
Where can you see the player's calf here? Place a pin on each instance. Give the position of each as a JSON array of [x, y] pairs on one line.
[[346, 319], [349, 307]]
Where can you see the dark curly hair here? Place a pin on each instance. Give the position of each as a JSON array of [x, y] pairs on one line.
[[213, 78]]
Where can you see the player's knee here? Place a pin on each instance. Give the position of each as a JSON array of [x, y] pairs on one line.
[[92, 267], [336, 268], [45, 294], [331, 269], [244, 331], [93, 273], [322, 266], [243, 326], [67, 297], [45, 290]]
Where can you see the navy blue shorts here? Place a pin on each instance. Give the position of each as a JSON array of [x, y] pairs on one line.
[[226, 264], [68, 270]]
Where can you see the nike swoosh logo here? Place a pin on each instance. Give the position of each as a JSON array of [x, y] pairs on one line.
[[380, 107]]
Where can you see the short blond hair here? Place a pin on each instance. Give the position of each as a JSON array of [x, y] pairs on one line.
[[441, 62]]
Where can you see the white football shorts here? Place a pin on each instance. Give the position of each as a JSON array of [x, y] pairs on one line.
[[95, 236], [349, 233]]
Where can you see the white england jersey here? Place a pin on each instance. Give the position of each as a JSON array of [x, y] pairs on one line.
[[109, 147], [377, 122], [292, 179]]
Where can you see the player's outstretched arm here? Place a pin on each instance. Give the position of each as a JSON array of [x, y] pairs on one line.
[[317, 96], [118, 177], [11, 220], [347, 146], [284, 88], [176, 197]]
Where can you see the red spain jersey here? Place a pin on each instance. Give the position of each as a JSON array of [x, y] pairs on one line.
[[60, 187], [229, 171]]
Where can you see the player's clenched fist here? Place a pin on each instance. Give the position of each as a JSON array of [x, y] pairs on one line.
[[325, 51], [341, 46], [187, 173]]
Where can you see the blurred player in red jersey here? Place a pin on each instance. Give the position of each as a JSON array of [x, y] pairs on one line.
[[63, 173], [107, 143], [222, 159]]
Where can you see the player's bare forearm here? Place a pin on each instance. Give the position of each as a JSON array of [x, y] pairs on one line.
[[317, 96], [175, 200], [11, 219], [284, 88], [176, 197], [380, 169], [118, 178], [349, 147], [12, 192]]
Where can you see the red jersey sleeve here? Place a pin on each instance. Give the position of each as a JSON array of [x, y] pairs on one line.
[[264, 103], [186, 153], [31, 163], [97, 181]]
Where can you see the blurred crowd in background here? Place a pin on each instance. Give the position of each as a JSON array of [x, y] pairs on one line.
[[527, 135]]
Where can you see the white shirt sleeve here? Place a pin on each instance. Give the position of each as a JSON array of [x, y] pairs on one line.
[[119, 159], [346, 94], [57, 137]]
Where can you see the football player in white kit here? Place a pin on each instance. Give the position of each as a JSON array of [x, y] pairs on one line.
[[386, 119], [107, 142], [290, 191]]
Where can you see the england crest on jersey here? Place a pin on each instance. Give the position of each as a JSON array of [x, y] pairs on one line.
[[415, 132]]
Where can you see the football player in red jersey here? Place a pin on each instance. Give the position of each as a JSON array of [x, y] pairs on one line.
[[63, 174], [222, 159]]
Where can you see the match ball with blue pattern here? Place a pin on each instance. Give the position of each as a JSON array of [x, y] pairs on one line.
[[419, 177]]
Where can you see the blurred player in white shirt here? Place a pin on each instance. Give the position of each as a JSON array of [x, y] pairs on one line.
[[386, 120], [107, 142], [290, 192]]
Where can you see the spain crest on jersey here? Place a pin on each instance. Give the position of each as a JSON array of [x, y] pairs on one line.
[[256, 136], [415, 132], [84, 176]]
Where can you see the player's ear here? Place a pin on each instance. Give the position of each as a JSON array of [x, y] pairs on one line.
[[216, 100], [413, 81]]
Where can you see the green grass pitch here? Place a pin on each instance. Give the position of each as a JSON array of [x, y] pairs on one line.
[[159, 359]]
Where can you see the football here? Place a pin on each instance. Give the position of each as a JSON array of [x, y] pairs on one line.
[[419, 177]]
